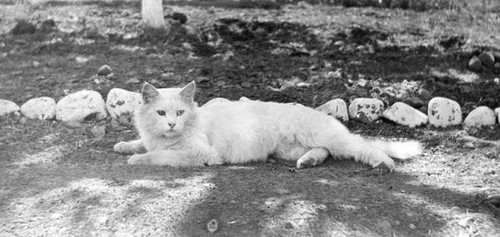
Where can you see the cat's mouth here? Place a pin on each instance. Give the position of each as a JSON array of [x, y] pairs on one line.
[[170, 133]]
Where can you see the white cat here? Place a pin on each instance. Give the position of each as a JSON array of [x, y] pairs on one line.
[[174, 131]]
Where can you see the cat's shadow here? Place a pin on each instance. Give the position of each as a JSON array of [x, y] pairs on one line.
[[338, 192]]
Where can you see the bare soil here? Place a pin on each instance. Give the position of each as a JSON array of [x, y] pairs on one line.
[[56, 180]]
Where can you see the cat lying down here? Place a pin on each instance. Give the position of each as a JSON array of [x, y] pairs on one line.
[[174, 131]]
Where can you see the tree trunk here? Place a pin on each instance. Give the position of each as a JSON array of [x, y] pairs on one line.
[[152, 13]]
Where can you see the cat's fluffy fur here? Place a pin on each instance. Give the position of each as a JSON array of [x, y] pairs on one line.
[[175, 131]]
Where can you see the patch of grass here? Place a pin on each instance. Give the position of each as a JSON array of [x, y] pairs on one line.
[[153, 34]]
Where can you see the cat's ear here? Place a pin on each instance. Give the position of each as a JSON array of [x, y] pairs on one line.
[[149, 93], [187, 93]]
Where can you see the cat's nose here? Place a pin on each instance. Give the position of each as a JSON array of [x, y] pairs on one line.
[[172, 125]]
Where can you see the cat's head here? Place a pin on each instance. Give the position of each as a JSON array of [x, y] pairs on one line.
[[167, 112]]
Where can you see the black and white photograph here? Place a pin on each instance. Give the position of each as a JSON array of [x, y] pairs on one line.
[[250, 118]]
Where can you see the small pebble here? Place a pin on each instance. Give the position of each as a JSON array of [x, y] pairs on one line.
[[475, 64], [201, 79], [220, 83], [212, 225], [98, 131], [104, 70], [385, 224], [133, 81], [81, 59], [246, 84], [487, 58]]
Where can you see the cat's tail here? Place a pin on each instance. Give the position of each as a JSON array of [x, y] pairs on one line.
[[399, 150]]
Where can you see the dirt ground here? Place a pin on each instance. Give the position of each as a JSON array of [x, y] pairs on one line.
[[57, 180]]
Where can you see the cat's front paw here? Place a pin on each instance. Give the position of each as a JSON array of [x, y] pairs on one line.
[[122, 148], [137, 160]]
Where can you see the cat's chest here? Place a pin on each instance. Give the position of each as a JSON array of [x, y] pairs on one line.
[[161, 143]]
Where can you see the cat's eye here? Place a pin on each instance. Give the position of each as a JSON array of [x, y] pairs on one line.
[[180, 112], [161, 112]]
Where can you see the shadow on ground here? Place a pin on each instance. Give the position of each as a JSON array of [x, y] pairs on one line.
[[63, 178], [338, 198]]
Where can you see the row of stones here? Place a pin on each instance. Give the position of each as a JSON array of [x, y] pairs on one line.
[[78, 107], [441, 112], [120, 104], [485, 60]]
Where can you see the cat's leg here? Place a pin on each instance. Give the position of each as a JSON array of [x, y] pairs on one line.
[[175, 158], [313, 157], [354, 146], [341, 143], [375, 157], [130, 147]]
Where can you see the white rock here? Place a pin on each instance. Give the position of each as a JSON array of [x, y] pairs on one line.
[[366, 109], [121, 104], [77, 106], [497, 113], [404, 114], [215, 100], [444, 112], [336, 108], [8, 107], [480, 116], [39, 108]]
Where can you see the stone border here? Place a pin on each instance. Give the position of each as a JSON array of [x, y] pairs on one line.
[[79, 106]]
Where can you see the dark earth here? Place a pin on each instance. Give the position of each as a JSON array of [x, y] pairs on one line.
[[59, 180]]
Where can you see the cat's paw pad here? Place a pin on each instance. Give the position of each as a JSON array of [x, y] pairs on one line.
[[122, 148], [305, 161]]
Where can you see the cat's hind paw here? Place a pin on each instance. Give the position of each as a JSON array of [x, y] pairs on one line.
[[313, 157], [384, 164], [305, 161]]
